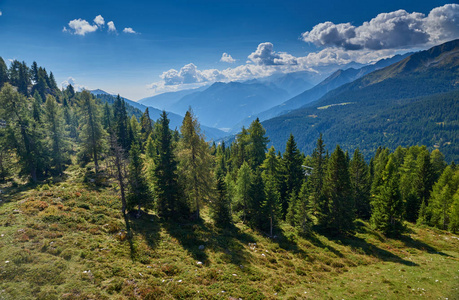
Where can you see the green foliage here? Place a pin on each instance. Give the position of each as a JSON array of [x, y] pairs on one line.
[[361, 185], [138, 195], [340, 212], [387, 206]]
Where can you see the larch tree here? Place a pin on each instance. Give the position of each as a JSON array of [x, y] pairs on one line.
[[92, 133], [195, 164], [54, 125]]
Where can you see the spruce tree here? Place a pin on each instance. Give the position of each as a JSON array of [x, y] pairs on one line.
[[293, 173], [167, 190], [221, 206], [360, 183], [92, 133], [316, 179], [340, 213], [257, 142], [243, 183], [271, 207], [145, 125], [120, 120], [139, 193], [387, 205], [3, 72]]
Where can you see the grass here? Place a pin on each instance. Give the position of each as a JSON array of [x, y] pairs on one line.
[[68, 240]]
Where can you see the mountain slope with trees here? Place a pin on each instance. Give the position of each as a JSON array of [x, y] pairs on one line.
[[414, 101]]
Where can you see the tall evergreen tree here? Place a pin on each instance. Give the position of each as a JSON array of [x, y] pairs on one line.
[[316, 179], [92, 133], [221, 206], [195, 163], [139, 193], [167, 190], [271, 208], [257, 142], [244, 180], [338, 194], [360, 183], [120, 120], [55, 127], [3, 72], [23, 134], [146, 126], [293, 173], [387, 205]]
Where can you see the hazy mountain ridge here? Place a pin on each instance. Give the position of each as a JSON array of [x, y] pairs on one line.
[[175, 119]]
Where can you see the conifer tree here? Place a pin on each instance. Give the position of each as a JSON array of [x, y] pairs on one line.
[[338, 194], [244, 179], [3, 72], [195, 163], [55, 129], [139, 192], [437, 160], [119, 163], [166, 187], [136, 131], [271, 207], [454, 216], [387, 205], [221, 206], [441, 202], [257, 142], [316, 179], [120, 120], [146, 126], [299, 214], [23, 134], [107, 117], [293, 173], [360, 183], [92, 133]]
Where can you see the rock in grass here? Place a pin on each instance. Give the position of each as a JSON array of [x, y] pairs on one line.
[[201, 247]]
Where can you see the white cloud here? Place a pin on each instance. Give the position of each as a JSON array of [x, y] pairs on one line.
[[99, 20], [265, 55], [80, 27], [71, 81], [227, 58], [1, 13], [129, 30], [393, 30], [111, 26]]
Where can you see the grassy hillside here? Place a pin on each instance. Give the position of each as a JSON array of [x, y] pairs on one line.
[[68, 240]]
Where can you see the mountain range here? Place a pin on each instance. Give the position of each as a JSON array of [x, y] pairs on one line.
[[413, 101]]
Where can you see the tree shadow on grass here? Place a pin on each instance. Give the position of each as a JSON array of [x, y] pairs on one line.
[[198, 238], [412, 243], [146, 225]]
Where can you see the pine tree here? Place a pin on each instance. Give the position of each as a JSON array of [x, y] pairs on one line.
[[92, 133], [387, 205], [316, 179], [146, 126], [441, 201], [338, 194], [22, 133], [3, 72], [257, 142], [293, 173], [360, 183], [244, 179], [167, 190], [195, 163], [221, 206], [139, 193], [55, 127], [120, 120], [271, 208]]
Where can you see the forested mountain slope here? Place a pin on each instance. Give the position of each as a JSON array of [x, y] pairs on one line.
[[410, 102]]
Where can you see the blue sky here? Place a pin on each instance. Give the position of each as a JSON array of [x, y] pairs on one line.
[[179, 44]]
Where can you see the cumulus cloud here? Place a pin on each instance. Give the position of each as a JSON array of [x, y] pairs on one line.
[[265, 55], [227, 58], [111, 26], [129, 30], [80, 27], [394, 30], [71, 81], [99, 20]]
